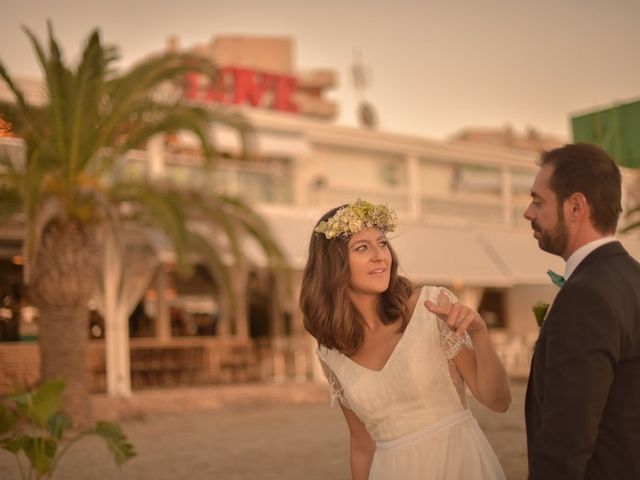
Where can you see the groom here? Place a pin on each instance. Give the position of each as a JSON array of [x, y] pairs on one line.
[[583, 399]]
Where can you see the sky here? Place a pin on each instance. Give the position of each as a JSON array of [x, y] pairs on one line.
[[434, 66]]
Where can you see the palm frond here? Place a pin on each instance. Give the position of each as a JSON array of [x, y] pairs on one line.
[[56, 78], [630, 227], [257, 228], [215, 264], [88, 90], [138, 82], [11, 176], [93, 116], [158, 207], [632, 212], [153, 118], [21, 102], [151, 72], [207, 208], [222, 115]]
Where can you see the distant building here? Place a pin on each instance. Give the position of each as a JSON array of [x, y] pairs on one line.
[[531, 139], [460, 205]]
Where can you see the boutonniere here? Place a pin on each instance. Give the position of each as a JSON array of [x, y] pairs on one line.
[[540, 312]]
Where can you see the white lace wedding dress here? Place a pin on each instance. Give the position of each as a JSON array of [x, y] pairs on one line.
[[415, 406]]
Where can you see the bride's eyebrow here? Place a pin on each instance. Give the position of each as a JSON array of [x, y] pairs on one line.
[[364, 240]]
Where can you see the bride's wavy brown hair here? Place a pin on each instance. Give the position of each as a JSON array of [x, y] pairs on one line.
[[328, 313]]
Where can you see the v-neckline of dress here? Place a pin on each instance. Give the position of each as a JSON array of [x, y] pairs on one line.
[[397, 345]]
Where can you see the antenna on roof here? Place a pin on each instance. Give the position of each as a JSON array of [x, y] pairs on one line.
[[367, 116]]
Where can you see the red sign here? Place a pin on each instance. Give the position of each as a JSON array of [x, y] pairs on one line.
[[240, 86]]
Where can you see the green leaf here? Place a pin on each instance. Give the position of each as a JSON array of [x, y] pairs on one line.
[[42, 403], [117, 442], [13, 444], [7, 419], [540, 311], [58, 424], [41, 452]]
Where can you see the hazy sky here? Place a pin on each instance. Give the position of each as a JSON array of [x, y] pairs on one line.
[[436, 66]]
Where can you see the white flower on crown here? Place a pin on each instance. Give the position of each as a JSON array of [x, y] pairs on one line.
[[356, 217]]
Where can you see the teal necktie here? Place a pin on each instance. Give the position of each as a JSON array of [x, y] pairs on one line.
[[556, 279]]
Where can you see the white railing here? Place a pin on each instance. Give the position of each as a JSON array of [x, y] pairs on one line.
[[333, 196], [476, 210]]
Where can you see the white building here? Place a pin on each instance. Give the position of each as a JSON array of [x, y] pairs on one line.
[[459, 202]]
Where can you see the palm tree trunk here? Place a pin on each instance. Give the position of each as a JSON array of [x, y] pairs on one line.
[[63, 278], [63, 347]]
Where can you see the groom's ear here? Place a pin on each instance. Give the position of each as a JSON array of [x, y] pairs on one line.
[[579, 208]]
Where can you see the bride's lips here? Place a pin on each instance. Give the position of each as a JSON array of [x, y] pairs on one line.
[[378, 271]]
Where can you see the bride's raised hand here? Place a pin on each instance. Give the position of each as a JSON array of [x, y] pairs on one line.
[[459, 317]]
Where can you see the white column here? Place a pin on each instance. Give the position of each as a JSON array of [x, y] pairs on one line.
[[163, 317], [471, 296], [506, 185], [413, 170], [155, 150], [125, 277], [276, 318], [241, 316], [116, 322]]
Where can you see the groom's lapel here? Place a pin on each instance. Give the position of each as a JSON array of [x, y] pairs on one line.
[[607, 250]]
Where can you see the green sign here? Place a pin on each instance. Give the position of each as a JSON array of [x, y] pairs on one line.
[[616, 129]]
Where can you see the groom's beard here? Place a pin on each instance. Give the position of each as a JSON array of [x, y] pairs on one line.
[[554, 241]]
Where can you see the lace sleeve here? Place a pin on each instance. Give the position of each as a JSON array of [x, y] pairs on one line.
[[337, 393], [450, 342]]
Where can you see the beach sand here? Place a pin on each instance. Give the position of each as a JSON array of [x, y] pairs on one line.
[[247, 432]]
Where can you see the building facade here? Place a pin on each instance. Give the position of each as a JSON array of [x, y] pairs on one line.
[[459, 202]]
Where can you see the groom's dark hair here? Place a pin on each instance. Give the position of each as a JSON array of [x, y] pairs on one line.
[[587, 169]]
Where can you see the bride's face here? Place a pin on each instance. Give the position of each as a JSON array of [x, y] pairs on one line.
[[369, 262]]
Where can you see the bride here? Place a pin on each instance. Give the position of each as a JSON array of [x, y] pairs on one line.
[[398, 358]]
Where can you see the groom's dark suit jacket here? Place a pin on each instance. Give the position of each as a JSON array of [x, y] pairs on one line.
[[583, 399]]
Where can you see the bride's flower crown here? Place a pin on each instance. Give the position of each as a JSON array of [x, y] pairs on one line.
[[358, 216]]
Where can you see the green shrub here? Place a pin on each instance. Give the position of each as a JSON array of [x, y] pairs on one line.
[[32, 423]]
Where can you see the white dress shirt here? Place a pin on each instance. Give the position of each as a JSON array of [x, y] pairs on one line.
[[576, 257]]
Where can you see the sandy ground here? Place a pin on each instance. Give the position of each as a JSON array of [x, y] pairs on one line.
[[247, 432]]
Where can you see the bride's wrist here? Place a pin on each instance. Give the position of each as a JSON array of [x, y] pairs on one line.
[[481, 330]]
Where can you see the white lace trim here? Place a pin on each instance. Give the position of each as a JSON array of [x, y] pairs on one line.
[[337, 392], [450, 342]]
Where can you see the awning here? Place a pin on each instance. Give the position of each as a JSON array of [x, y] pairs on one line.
[[448, 256], [292, 230], [432, 254], [441, 255], [521, 259]]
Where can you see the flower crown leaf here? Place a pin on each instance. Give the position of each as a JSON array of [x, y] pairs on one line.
[[358, 216]]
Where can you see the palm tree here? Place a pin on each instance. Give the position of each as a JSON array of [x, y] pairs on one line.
[[68, 197]]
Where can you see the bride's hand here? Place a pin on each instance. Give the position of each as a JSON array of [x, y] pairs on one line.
[[459, 317]]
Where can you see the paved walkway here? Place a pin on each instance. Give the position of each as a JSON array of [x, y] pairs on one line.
[[249, 432]]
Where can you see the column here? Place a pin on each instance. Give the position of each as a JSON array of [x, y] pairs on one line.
[[240, 315], [413, 171], [506, 186], [471, 296], [163, 317]]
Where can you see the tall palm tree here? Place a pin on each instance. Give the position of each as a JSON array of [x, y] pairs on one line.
[[67, 195]]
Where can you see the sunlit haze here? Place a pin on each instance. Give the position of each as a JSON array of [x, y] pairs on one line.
[[434, 67]]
